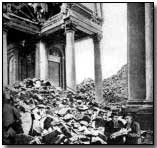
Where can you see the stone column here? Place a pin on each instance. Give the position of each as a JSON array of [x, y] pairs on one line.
[[63, 73], [17, 64], [70, 59], [136, 53], [37, 72], [149, 50], [5, 59], [41, 70], [98, 69]]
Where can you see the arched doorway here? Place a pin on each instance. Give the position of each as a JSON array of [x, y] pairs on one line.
[[56, 66], [27, 62]]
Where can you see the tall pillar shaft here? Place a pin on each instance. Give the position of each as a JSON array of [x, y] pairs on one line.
[[37, 70], [98, 69], [149, 50], [70, 60], [5, 60], [136, 52], [41, 70], [17, 64], [63, 73]]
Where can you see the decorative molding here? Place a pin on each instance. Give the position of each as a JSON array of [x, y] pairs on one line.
[[12, 15], [54, 19], [22, 25], [71, 5], [88, 14], [87, 25], [96, 19], [11, 20], [6, 19], [65, 8], [84, 8], [70, 18], [54, 59]]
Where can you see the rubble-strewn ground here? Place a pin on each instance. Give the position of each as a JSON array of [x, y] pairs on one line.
[[51, 115], [73, 115], [115, 88]]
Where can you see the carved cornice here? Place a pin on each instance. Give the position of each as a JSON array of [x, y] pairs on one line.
[[66, 7], [12, 21], [5, 22], [85, 9], [69, 18], [96, 19], [53, 20], [89, 14]]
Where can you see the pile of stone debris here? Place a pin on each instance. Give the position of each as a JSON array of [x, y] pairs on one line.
[[115, 88], [51, 115], [112, 93]]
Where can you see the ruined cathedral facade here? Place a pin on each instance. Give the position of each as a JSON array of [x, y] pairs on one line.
[[38, 41]]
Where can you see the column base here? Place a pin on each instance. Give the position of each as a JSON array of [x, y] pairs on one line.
[[140, 102], [139, 105], [143, 112]]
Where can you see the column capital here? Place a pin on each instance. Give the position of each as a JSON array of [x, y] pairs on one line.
[[97, 37], [69, 26], [5, 24], [5, 28]]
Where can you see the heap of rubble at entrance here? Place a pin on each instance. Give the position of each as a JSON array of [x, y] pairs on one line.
[[64, 116], [60, 117]]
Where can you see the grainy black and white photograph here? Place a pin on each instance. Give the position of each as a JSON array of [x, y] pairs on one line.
[[77, 73]]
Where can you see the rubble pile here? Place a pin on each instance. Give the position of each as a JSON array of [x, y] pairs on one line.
[[50, 115], [86, 89], [115, 88]]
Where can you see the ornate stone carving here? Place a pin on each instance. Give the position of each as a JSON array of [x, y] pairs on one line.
[[96, 19], [53, 20], [70, 5], [40, 9], [64, 8], [32, 11]]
